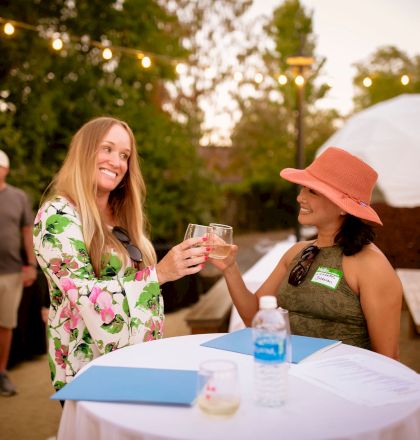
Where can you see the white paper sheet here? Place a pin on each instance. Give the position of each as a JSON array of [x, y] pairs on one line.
[[362, 379]]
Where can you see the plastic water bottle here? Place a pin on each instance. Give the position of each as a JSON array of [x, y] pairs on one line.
[[272, 352]]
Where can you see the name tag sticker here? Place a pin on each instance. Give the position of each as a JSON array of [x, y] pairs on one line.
[[327, 277]]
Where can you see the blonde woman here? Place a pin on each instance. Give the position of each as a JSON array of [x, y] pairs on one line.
[[90, 241]]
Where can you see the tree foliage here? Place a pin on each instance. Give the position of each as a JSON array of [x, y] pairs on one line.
[[265, 136], [213, 36], [48, 95], [385, 67]]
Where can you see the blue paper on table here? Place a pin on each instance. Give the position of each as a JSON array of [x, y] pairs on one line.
[[132, 385], [241, 342]]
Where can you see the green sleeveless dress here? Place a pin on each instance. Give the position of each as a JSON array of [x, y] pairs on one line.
[[331, 312]]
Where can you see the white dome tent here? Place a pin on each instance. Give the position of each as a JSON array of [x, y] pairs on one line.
[[387, 137]]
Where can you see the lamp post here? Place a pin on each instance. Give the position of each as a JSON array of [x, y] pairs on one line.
[[299, 65]]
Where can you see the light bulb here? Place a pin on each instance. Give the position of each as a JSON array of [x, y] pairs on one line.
[[181, 68], [367, 82], [9, 29], [405, 79], [282, 80], [107, 54], [146, 62], [258, 78], [57, 44], [299, 80]]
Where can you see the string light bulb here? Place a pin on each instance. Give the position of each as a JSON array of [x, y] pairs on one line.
[[367, 82], [282, 80], [57, 44], [258, 78], [299, 80], [8, 28], [181, 69], [107, 54], [146, 62], [405, 80]]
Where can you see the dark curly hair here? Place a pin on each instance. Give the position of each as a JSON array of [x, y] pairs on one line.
[[353, 235]]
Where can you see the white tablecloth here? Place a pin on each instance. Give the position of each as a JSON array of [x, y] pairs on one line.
[[310, 412]]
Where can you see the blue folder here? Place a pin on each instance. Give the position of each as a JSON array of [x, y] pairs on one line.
[[132, 385], [241, 342]]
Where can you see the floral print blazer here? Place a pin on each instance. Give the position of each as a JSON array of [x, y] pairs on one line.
[[90, 316]]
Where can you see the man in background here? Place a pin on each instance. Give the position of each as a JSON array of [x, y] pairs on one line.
[[16, 223]]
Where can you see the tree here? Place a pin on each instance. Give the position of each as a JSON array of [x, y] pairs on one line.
[[214, 39], [48, 95], [385, 67], [265, 137]]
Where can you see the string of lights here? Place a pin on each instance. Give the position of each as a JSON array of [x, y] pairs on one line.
[[58, 42]]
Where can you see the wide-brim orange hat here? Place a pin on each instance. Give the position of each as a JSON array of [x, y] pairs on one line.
[[341, 177]]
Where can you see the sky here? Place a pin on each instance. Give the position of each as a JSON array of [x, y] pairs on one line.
[[349, 31]]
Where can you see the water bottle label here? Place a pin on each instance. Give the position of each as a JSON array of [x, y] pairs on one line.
[[269, 350]]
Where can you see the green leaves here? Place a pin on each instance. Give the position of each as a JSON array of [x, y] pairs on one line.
[[129, 274], [52, 367], [115, 326], [80, 247], [84, 351], [112, 266], [149, 298], [385, 67], [56, 224], [53, 241]]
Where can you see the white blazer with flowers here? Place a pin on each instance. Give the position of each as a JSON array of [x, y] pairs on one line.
[[90, 316]]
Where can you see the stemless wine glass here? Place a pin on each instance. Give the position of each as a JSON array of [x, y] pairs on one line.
[[218, 389], [194, 230], [221, 240]]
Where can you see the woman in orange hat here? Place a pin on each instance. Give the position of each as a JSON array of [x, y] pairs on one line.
[[340, 285]]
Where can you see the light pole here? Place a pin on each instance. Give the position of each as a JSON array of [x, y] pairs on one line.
[[299, 65]]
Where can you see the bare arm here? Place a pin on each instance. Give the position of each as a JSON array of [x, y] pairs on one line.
[[244, 300], [381, 297]]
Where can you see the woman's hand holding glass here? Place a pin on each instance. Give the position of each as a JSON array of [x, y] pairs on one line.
[[223, 251], [186, 258]]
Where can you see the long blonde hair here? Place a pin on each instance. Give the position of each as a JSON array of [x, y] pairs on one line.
[[76, 180]]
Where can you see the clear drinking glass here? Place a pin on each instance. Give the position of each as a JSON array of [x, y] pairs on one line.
[[218, 388], [221, 240], [194, 230]]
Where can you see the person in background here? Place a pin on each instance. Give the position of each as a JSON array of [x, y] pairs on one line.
[[339, 285], [15, 233], [90, 240]]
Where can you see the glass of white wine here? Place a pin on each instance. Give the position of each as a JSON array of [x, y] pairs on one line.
[[221, 240], [218, 389], [194, 230]]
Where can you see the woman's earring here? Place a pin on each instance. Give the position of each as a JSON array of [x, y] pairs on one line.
[[343, 213]]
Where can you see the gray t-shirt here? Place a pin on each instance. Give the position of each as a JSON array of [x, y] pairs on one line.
[[15, 212]]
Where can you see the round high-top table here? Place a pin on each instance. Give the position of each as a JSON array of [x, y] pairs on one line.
[[311, 412]]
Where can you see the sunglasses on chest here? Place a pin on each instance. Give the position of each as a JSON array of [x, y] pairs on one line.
[[133, 251], [301, 269]]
